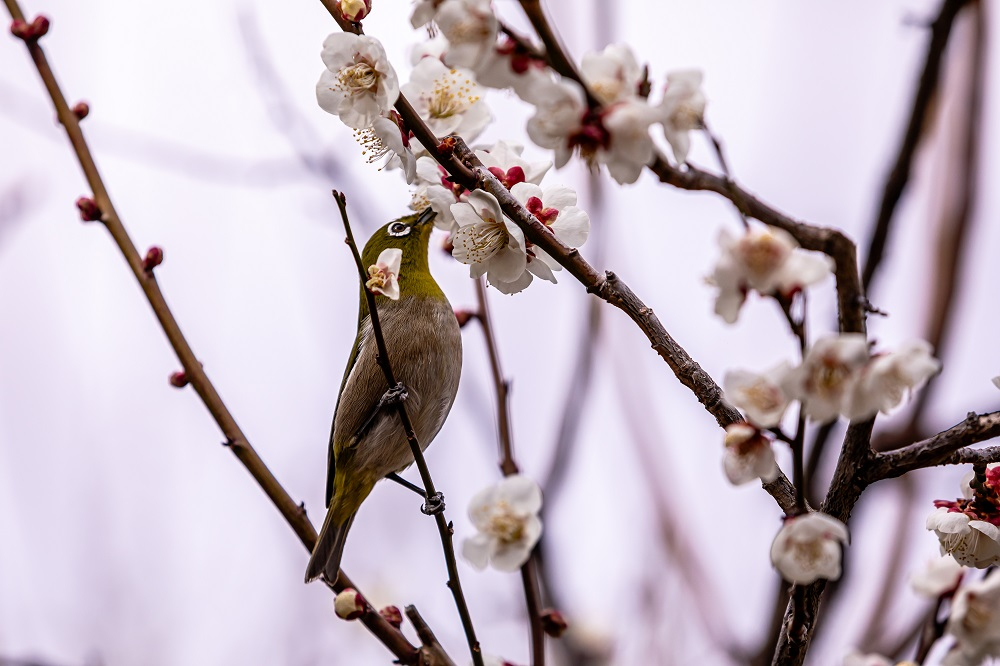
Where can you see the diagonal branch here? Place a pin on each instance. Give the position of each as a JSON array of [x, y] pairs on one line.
[[944, 448]]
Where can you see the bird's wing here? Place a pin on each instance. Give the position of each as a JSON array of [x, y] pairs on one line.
[[364, 337]]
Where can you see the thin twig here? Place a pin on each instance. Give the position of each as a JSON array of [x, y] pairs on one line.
[[444, 528], [945, 448], [431, 651], [293, 512]]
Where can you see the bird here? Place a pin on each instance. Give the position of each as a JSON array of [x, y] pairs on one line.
[[424, 346]]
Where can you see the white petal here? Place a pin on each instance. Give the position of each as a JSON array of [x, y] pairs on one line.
[[513, 287], [478, 549], [524, 191], [508, 264], [510, 556], [521, 493], [559, 197]]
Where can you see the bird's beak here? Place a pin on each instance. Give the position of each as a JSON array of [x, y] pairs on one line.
[[426, 216]]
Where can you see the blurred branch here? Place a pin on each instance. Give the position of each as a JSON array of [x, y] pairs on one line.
[[237, 442], [433, 498], [529, 572], [899, 175]]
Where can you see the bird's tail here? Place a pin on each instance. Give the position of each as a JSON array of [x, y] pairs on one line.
[[329, 547]]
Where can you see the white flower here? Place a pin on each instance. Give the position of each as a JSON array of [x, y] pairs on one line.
[[855, 658], [888, 376], [504, 161], [808, 547], [748, 455], [825, 381], [436, 191], [939, 576], [506, 515], [555, 207], [383, 275], [613, 75], [629, 148], [766, 259], [385, 138], [490, 244], [973, 543], [349, 604], [510, 65], [447, 99], [682, 110], [559, 111], [975, 621], [470, 28], [759, 395], [358, 83]]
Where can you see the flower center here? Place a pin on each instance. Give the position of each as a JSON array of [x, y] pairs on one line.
[[686, 116], [483, 239], [452, 95], [545, 215], [359, 78], [762, 254], [505, 524], [590, 137], [372, 147], [763, 395], [510, 178], [378, 276]]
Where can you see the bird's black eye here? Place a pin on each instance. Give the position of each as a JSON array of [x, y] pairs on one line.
[[398, 229]]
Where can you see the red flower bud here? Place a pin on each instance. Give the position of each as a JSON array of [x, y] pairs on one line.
[[179, 379], [154, 257], [354, 10], [89, 212], [81, 110], [553, 622], [464, 316], [349, 604], [392, 615], [29, 31]]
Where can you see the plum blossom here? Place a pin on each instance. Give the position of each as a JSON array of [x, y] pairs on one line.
[[490, 244], [749, 455], [506, 515], [383, 275], [613, 75], [808, 547], [682, 109], [971, 541], [349, 604], [386, 137], [470, 28], [975, 622], [759, 395], [765, 259], [629, 148], [825, 381], [435, 190], [354, 10], [359, 83], [939, 576], [447, 99], [559, 111], [555, 207], [511, 65], [504, 161], [889, 376]]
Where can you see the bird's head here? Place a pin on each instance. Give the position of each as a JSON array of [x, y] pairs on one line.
[[410, 234]]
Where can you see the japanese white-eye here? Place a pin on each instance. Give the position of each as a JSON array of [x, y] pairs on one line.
[[424, 346]]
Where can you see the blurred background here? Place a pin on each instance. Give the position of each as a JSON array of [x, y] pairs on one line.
[[129, 535]]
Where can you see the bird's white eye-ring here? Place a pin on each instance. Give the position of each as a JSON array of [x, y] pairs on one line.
[[398, 229]]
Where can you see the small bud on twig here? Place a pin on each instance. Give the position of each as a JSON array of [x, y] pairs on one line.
[[349, 604], [447, 244], [81, 110], [354, 10], [392, 615], [29, 31], [179, 379], [89, 212], [464, 316], [154, 257], [553, 622]]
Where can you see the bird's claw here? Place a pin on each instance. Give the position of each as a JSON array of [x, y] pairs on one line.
[[433, 505], [394, 395]]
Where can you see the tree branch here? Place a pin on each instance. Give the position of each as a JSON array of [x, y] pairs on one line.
[[944, 448]]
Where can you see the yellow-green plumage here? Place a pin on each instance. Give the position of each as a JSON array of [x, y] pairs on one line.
[[425, 349]]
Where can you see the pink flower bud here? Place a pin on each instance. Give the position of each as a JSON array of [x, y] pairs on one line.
[[553, 622], [392, 615], [448, 245], [349, 604], [154, 257], [464, 316], [81, 110], [179, 379], [354, 10], [89, 212], [29, 31]]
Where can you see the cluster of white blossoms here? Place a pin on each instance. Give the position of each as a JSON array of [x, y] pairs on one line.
[[969, 527], [506, 515], [808, 547]]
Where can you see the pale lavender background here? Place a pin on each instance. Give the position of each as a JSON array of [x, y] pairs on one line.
[[128, 535]]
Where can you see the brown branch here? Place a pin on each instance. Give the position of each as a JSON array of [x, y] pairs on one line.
[[293, 513], [899, 175], [431, 652], [529, 573], [944, 448], [430, 494]]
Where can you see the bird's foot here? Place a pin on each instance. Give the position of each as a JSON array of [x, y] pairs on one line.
[[433, 505], [394, 395]]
